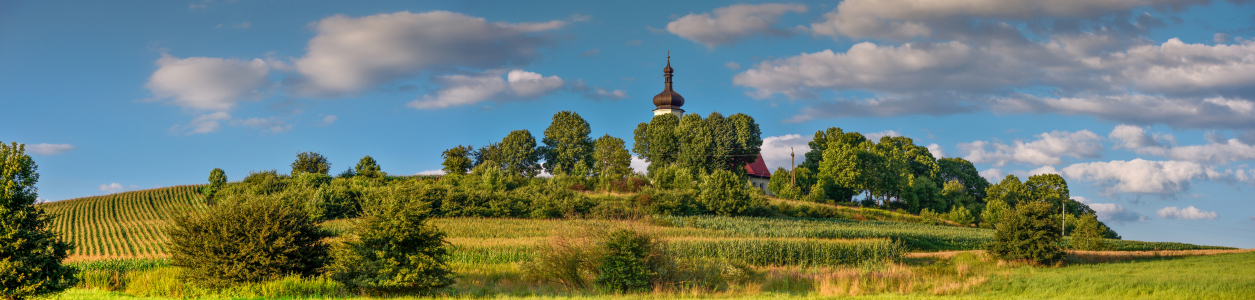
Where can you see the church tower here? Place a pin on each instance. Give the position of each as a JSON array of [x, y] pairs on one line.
[[668, 101]]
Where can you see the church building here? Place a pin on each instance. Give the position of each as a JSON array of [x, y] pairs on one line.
[[670, 102]]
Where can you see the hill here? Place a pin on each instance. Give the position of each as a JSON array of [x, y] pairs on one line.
[[122, 225]]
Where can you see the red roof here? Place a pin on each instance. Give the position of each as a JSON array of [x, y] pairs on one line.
[[758, 168]]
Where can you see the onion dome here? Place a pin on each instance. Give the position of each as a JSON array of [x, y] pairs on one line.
[[668, 98]]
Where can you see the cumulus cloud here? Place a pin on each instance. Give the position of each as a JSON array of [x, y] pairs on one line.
[[993, 174], [211, 122], [350, 55], [732, 65], [1188, 213], [1215, 112], [1218, 150], [775, 150], [733, 23], [1220, 38], [208, 83], [431, 172], [469, 89], [1048, 149], [327, 120], [639, 165], [596, 92], [116, 187], [936, 151], [1111, 212], [1141, 176], [50, 149], [875, 136]]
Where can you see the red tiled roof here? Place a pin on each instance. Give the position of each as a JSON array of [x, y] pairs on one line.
[[758, 168]]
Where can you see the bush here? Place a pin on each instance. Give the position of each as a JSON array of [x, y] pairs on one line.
[[682, 202], [928, 216], [549, 201], [726, 194], [310, 162], [1089, 234], [1029, 233], [395, 250], [334, 201], [262, 183], [994, 210], [368, 167], [630, 261], [960, 215], [254, 240]]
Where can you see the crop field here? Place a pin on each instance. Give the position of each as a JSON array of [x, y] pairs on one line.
[[130, 224]]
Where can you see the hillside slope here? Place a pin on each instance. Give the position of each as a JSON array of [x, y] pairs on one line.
[[129, 224]]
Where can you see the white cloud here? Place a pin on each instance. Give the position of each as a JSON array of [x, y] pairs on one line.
[[528, 84], [328, 120], [775, 150], [431, 172], [458, 90], [208, 83], [1048, 149], [1151, 177], [205, 123], [1218, 150], [733, 23], [271, 124], [1177, 67], [1216, 112], [116, 187], [1188, 213], [936, 151], [1220, 38], [1110, 212], [732, 65], [350, 55], [639, 165], [875, 136], [593, 52], [910, 66], [50, 149], [994, 175], [597, 93]]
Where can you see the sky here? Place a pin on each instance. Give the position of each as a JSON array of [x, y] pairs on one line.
[[1147, 108]]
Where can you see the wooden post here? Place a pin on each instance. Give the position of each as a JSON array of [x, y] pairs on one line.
[[792, 165]]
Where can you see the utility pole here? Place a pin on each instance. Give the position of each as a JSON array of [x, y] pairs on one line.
[[1063, 212], [792, 164]]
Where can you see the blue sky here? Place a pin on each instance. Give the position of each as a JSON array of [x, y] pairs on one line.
[[1147, 108]]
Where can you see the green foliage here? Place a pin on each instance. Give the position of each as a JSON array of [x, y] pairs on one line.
[[260, 183], [1089, 234], [335, 200], [566, 143], [629, 261], [954, 168], [923, 194], [726, 194], [611, 160], [30, 252], [671, 202], [217, 178], [1010, 190], [931, 217], [519, 155], [259, 238], [554, 202], [791, 252], [782, 185], [960, 215], [673, 177], [310, 162], [368, 167], [396, 250], [995, 209], [312, 180], [696, 141], [656, 142], [1030, 234], [457, 160]]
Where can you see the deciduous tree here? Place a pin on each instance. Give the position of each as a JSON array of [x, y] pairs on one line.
[[457, 160], [566, 143], [310, 162]]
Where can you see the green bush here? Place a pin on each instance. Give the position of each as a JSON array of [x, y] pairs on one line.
[[334, 201], [960, 215], [629, 262], [395, 250], [928, 216], [1089, 234], [1029, 233], [679, 202], [994, 210], [548, 201], [254, 240], [726, 194]]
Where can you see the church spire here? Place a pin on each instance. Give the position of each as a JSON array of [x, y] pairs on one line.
[[668, 101]]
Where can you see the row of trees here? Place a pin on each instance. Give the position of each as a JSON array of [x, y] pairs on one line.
[[705, 145]]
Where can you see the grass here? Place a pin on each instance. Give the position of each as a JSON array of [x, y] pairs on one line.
[[123, 225]]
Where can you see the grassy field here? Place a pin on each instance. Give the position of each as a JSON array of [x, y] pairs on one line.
[[965, 276], [123, 225]]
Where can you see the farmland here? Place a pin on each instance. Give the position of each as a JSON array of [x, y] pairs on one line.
[[122, 225]]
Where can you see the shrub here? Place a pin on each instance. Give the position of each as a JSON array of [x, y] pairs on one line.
[[30, 252], [548, 201], [566, 259], [726, 194], [1089, 234], [960, 215], [681, 202], [396, 250], [1029, 233], [368, 167], [253, 240], [334, 201], [262, 183], [928, 216], [995, 209], [630, 261], [310, 162]]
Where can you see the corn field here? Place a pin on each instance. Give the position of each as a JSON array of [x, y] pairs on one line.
[[130, 224]]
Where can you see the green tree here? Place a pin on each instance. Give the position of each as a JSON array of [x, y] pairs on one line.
[[782, 185], [255, 239], [745, 142], [457, 160], [217, 179], [395, 250], [1089, 234], [611, 160], [696, 143], [566, 143], [1009, 190], [310, 162], [954, 168], [820, 142], [1030, 233], [923, 193], [656, 141], [518, 154], [30, 252], [995, 209], [368, 167], [726, 194], [629, 262], [852, 169], [960, 215]]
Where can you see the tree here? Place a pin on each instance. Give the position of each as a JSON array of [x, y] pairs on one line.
[[743, 141], [611, 160], [367, 166], [726, 194], [310, 162], [821, 141], [255, 239], [995, 209], [954, 168], [489, 153], [457, 160], [395, 250], [518, 154], [566, 143], [217, 179], [30, 252], [656, 141], [851, 169], [781, 185], [960, 215], [696, 143], [1009, 190], [1089, 234], [1030, 233]]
